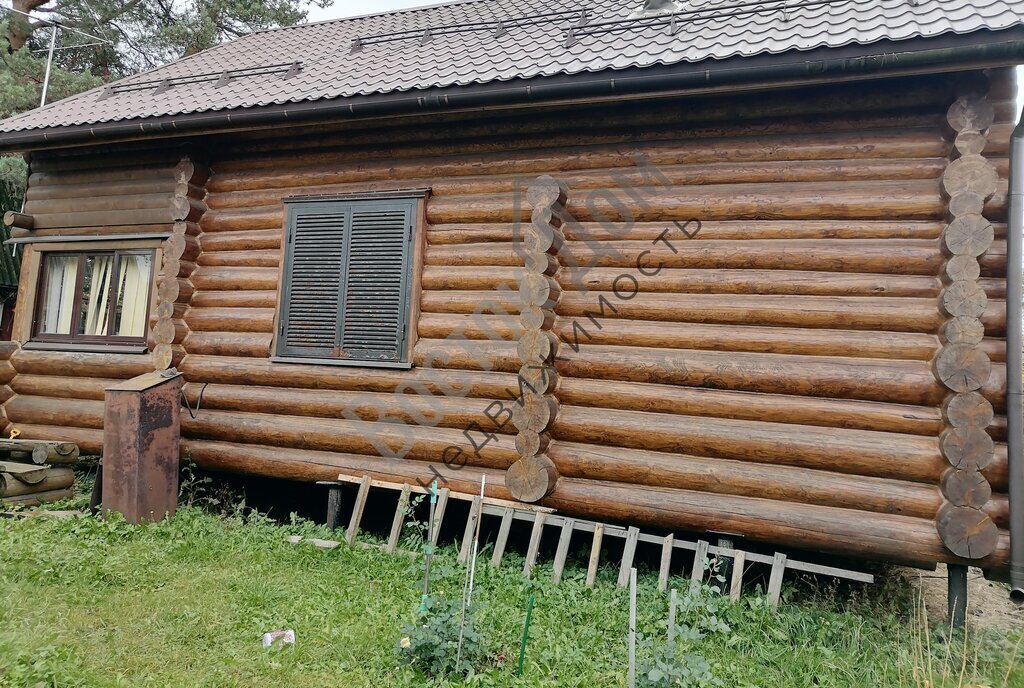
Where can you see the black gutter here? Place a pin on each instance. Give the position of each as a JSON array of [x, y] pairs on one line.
[[945, 53], [1014, 370]]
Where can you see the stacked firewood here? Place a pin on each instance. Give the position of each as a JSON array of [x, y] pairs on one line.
[[33, 472]]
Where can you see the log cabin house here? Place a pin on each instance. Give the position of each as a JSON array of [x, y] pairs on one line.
[[714, 266]]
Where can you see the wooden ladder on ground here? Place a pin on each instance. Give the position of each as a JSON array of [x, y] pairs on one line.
[[732, 558]]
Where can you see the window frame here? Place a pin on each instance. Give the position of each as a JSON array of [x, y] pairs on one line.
[[73, 341], [411, 277]]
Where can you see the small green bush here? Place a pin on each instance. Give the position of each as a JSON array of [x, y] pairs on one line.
[[675, 665], [431, 643]]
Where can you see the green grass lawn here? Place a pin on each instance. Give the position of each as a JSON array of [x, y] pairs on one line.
[[184, 603]]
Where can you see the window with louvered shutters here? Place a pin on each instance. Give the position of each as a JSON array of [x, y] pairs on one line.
[[346, 286]]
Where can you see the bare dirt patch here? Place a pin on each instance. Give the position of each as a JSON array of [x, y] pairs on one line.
[[988, 602]]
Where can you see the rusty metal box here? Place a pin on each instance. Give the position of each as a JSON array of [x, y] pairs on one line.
[[141, 436]]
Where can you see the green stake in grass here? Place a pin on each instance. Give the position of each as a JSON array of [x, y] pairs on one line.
[[526, 634], [429, 548]]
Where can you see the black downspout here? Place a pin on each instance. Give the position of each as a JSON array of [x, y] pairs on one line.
[[1014, 370]]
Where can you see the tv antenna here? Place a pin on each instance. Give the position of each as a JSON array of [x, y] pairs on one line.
[[54, 27]]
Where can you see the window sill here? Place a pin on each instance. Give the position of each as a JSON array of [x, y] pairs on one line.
[[90, 348], [342, 362]]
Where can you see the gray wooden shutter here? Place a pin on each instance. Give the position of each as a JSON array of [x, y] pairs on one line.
[[346, 281], [315, 264], [375, 308]]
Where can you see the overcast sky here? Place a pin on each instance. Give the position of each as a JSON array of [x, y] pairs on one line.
[[350, 8]]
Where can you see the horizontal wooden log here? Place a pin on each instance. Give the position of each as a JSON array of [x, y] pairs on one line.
[[722, 476], [907, 199], [230, 319], [291, 463], [261, 258], [775, 408], [42, 452], [39, 193], [56, 479], [35, 410], [858, 452], [249, 240], [20, 220], [466, 355], [907, 382], [853, 312], [80, 364], [108, 174], [392, 440], [62, 387], [89, 440], [497, 302], [917, 346], [897, 256], [102, 203], [37, 498], [409, 408], [256, 344], [702, 281], [234, 299], [842, 531], [26, 472], [477, 326], [99, 218], [746, 230], [422, 380], [235, 278]]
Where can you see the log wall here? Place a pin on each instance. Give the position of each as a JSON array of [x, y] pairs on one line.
[[738, 322]]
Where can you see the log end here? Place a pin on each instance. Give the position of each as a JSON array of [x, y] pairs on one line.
[[531, 479], [968, 533]]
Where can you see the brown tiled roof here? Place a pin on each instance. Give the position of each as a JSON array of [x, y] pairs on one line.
[[363, 56]]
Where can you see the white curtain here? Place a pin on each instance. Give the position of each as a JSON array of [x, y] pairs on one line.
[[133, 292], [59, 299], [97, 295]]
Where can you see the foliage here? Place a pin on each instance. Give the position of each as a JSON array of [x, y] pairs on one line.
[[669, 666], [87, 602], [143, 33], [431, 642], [679, 664], [209, 492], [140, 34]]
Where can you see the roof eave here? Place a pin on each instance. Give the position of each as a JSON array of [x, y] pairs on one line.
[[949, 52]]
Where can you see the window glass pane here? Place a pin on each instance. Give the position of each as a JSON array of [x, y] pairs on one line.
[[132, 295], [61, 273], [96, 295]]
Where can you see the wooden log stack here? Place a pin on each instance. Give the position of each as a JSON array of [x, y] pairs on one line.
[[962, 365], [534, 475], [33, 472]]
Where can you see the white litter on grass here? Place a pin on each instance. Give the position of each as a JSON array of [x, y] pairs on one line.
[[279, 638]]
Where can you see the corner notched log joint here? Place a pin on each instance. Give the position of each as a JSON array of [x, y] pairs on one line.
[[961, 365], [179, 253], [533, 476]]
